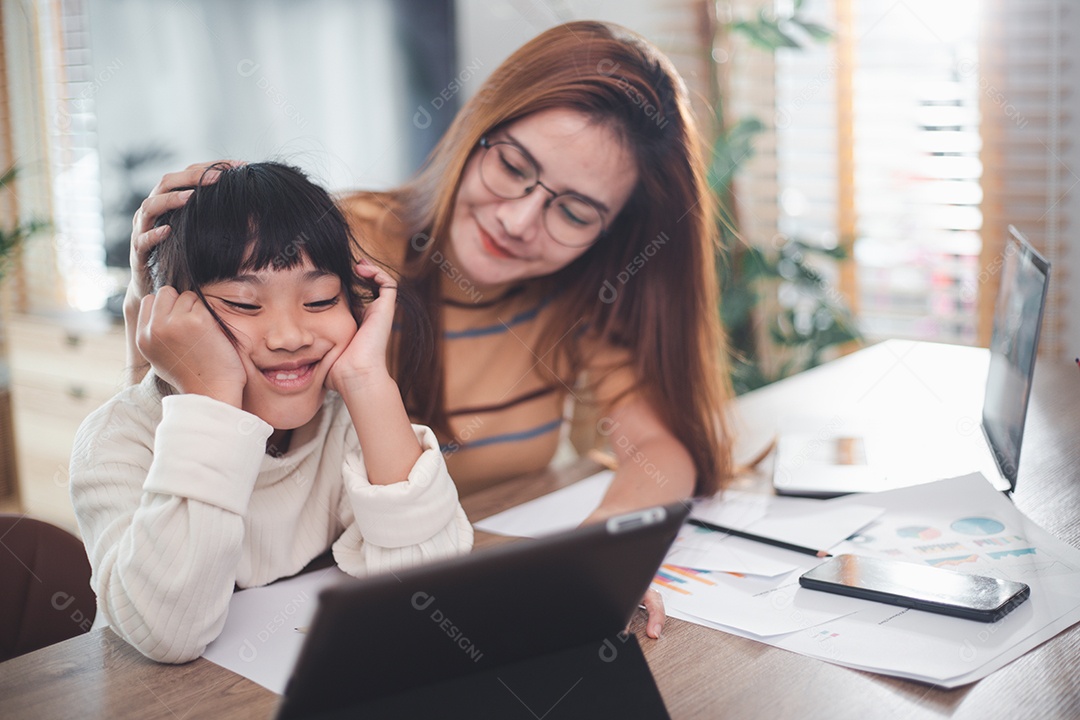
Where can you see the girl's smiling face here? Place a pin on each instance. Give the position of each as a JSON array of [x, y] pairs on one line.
[[290, 326]]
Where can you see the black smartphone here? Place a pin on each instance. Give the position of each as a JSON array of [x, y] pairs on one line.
[[975, 597]]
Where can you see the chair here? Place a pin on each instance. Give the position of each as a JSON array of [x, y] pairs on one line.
[[45, 593]]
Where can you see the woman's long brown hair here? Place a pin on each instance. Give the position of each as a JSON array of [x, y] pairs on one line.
[[649, 285]]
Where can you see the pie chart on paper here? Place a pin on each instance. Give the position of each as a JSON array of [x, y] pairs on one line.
[[978, 526], [919, 532]]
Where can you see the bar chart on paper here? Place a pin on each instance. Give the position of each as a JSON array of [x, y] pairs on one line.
[[681, 580]]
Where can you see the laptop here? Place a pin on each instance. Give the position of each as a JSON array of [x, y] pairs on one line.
[[851, 457], [526, 629]]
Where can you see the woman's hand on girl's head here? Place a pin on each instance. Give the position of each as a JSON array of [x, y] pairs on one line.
[[365, 356], [164, 197], [144, 238], [187, 347]]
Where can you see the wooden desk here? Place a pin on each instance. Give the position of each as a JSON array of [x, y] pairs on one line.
[[702, 673]]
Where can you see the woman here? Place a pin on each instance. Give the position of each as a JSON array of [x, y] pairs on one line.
[[562, 237]]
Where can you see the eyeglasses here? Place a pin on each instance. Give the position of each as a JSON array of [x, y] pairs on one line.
[[509, 173]]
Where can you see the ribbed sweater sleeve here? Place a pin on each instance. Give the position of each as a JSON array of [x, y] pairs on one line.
[[161, 512], [405, 523]]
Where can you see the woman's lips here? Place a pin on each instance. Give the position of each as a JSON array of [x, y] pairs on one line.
[[492, 249], [291, 378]]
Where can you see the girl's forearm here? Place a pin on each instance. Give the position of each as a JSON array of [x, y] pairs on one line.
[[383, 428]]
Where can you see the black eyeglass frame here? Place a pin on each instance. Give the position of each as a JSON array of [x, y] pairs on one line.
[[487, 144]]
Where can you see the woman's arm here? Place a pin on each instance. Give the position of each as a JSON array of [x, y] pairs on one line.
[[654, 468]]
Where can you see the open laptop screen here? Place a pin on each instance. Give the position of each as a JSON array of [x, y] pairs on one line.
[[1013, 343]]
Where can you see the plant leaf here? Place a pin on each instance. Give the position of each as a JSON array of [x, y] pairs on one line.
[[817, 32]]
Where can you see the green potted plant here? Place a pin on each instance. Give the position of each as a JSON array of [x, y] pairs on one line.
[[11, 238], [802, 333]]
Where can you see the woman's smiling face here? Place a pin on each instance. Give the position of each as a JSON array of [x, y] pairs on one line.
[[495, 241], [291, 325]]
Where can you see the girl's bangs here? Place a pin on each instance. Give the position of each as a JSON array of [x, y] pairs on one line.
[[265, 217]]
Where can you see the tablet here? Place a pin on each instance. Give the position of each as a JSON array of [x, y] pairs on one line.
[[458, 620]]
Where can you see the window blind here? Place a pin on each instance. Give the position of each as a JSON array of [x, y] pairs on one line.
[[69, 84], [1028, 181], [892, 97]]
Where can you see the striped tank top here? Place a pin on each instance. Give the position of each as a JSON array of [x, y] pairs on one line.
[[504, 409]]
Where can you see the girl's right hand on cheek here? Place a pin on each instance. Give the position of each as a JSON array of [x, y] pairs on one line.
[[187, 348]]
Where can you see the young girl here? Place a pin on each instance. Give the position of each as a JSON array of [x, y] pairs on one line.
[[269, 428]]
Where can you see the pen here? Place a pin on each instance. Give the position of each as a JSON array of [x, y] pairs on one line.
[[760, 538]]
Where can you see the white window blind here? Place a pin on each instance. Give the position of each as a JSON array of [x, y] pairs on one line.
[[69, 88], [914, 144], [1030, 174]]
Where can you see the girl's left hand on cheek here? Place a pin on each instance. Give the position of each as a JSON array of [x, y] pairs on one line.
[[366, 353]]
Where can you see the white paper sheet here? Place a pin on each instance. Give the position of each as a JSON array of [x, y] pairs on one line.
[[819, 524], [961, 523], [260, 640], [760, 606], [810, 523], [561, 510]]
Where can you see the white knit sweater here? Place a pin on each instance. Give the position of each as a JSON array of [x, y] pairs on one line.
[[178, 503]]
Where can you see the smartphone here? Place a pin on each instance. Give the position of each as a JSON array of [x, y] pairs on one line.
[[975, 597]]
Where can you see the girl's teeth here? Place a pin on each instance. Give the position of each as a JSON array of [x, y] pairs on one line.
[[286, 376]]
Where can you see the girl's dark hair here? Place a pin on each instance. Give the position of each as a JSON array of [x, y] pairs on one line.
[[270, 215]]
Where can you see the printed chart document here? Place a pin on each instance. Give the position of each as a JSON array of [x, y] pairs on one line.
[[962, 524], [703, 549]]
